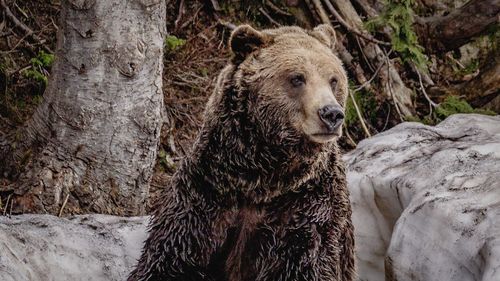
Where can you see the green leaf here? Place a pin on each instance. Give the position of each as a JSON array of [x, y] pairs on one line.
[[43, 60], [172, 43], [399, 16], [36, 75]]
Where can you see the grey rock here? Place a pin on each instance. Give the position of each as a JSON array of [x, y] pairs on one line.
[[426, 201], [90, 247]]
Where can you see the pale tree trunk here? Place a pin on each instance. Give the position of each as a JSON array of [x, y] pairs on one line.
[[93, 140]]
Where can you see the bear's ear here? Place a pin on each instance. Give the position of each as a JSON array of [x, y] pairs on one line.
[[325, 34], [245, 39]]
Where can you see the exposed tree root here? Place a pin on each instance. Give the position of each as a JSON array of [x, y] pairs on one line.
[[445, 33]]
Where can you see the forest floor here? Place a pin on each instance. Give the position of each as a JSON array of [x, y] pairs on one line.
[[195, 52]]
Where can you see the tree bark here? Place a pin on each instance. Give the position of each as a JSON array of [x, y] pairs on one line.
[[445, 33], [93, 140]]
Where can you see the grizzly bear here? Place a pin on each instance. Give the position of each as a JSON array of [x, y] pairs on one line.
[[263, 195]]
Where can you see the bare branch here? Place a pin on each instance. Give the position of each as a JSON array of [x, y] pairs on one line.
[[28, 31], [360, 115], [321, 11], [277, 9], [373, 76], [269, 17], [352, 29], [422, 88]]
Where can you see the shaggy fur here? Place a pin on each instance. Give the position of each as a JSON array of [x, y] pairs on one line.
[[259, 198]]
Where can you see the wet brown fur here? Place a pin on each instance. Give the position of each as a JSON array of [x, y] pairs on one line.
[[260, 197]]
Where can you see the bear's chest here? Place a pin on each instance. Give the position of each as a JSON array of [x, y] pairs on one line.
[[240, 233], [257, 236]]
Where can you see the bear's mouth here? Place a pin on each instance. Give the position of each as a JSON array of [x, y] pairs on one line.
[[324, 137], [330, 134]]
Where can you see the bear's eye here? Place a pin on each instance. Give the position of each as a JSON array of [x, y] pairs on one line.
[[297, 80], [333, 83]]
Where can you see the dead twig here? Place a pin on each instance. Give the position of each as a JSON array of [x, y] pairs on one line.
[[20, 10], [369, 10], [21, 69], [373, 76], [321, 12], [387, 117], [269, 17], [353, 143], [7, 204], [348, 61], [362, 50], [191, 19], [6, 33], [228, 25], [54, 24], [426, 78], [360, 116], [312, 9], [216, 6], [11, 204], [389, 87], [18, 43], [276, 9], [422, 88], [449, 56], [369, 80], [352, 29], [179, 16], [28, 31], [63, 205]]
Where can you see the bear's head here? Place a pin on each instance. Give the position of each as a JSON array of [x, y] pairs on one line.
[[294, 85]]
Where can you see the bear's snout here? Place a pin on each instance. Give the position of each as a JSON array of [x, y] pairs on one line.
[[332, 116]]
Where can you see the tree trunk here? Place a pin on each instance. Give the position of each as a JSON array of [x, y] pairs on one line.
[[93, 140], [445, 33]]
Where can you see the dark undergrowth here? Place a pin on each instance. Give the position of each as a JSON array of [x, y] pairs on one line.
[[195, 51]]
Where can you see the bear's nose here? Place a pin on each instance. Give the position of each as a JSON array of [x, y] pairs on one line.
[[332, 116]]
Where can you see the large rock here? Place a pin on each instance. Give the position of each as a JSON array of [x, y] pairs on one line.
[[426, 204], [426, 201], [83, 248]]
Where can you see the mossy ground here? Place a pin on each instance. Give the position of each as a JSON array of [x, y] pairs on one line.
[[451, 105]]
